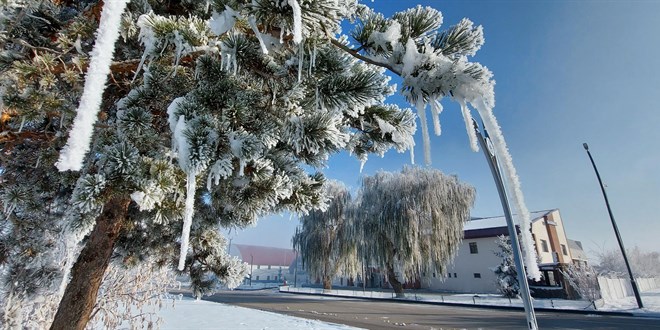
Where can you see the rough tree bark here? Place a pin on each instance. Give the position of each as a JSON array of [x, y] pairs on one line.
[[80, 295], [327, 282], [396, 285]]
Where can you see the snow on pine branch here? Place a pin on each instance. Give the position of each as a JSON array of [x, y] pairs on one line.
[[71, 157]]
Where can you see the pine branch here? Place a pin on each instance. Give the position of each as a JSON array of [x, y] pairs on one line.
[[357, 55]]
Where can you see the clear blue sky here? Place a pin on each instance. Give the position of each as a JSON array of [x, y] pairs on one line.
[[567, 72]]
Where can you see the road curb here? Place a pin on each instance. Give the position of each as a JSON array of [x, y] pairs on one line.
[[537, 309]]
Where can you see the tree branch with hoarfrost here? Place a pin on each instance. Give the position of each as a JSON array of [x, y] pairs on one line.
[[435, 64], [80, 135]]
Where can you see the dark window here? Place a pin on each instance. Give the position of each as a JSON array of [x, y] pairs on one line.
[[544, 245], [563, 250], [455, 275], [433, 274], [477, 275], [473, 248], [257, 277], [268, 278], [448, 274]]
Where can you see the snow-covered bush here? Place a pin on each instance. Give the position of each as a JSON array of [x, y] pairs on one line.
[[583, 279]]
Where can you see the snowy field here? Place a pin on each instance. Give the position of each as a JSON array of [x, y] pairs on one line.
[[198, 314]]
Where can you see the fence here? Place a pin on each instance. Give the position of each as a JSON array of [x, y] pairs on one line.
[[466, 299], [616, 288]]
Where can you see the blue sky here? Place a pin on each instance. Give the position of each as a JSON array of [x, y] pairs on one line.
[[567, 72]]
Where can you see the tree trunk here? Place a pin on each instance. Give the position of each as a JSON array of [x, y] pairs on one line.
[[327, 282], [80, 295], [396, 285]]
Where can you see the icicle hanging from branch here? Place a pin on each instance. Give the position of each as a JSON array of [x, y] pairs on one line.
[[436, 109], [421, 112], [297, 21], [467, 118], [187, 218], [80, 135]]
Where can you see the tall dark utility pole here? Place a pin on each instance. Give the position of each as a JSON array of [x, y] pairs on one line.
[[616, 231]]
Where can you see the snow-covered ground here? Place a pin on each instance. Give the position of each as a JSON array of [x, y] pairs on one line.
[[187, 313], [191, 314]]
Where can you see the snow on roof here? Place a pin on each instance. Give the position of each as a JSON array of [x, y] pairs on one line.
[[499, 221], [265, 255], [577, 252]]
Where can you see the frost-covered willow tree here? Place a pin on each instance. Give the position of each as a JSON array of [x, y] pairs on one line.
[[507, 275], [326, 239], [412, 222], [176, 118]]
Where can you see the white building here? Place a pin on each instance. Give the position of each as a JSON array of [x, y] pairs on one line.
[[471, 270], [267, 264]]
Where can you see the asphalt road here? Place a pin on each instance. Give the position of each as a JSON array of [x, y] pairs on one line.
[[371, 314]]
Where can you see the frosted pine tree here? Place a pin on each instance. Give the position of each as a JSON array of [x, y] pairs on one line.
[[171, 119], [507, 275], [412, 222], [210, 116], [326, 239]]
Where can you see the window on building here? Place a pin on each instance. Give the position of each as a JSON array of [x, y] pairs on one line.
[[473, 248], [544, 246], [455, 275], [433, 274], [268, 266], [258, 266], [268, 278], [477, 275], [564, 250], [448, 274], [257, 277]]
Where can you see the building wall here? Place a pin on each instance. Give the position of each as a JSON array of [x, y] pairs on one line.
[[465, 265], [540, 233], [561, 237], [261, 273]]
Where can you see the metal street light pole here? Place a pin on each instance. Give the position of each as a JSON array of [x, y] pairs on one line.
[[616, 231], [513, 234]]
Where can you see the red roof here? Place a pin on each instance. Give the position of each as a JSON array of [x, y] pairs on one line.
[[264, 255]]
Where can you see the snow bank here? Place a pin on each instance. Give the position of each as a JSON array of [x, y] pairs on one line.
[[199, 314]]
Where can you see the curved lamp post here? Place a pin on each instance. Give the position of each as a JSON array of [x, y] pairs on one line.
[[513, 234]]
